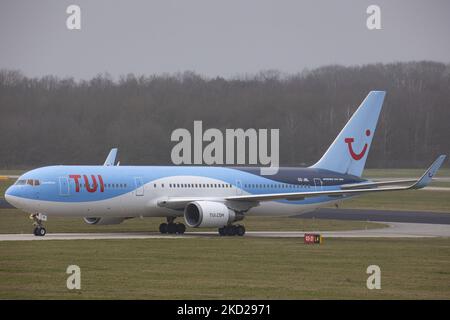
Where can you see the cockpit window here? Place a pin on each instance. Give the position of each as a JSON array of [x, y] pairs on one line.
[[31, 182]]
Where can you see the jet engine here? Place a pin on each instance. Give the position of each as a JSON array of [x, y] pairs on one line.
[[103, 221], [203, 214]]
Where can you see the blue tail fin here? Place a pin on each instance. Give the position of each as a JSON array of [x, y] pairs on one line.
[[348, 152]]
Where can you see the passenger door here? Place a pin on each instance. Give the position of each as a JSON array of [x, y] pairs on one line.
[[238, 187], [64, 189], [139, 186]]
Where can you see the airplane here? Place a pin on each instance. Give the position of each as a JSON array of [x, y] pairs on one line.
[[208, 196]]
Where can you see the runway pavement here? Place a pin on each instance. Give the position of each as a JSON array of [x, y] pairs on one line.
[[395, 230]]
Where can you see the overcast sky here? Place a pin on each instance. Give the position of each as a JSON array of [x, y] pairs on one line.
[[216, 38]]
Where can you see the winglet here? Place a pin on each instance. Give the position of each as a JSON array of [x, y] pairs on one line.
[[111, 159], [428, 175]]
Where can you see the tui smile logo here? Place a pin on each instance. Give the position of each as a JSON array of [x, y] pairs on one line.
[[357, 156]]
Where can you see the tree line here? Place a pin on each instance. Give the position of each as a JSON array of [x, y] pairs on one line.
[[51, 120]]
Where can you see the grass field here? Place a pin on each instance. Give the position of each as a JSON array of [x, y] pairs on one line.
[[415, 200], [226, 268], [230, 268]]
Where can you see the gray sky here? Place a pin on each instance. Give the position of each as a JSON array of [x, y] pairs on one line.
[[212, 37]]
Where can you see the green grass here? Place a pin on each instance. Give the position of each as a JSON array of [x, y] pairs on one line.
[[231, 268], [442, 184], [226, 268], [16, 221], [417, 200]]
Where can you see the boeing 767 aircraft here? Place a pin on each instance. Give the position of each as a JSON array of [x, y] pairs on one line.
[[208, 196]]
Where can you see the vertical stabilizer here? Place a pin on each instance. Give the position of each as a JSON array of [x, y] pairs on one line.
[[348, 152]]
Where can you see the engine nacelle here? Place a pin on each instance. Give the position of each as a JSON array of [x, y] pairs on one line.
[[205, 214], [103, 221]]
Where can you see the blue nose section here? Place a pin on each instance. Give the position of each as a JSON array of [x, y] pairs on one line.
[[9, 192], [12, 191], [10, 197]]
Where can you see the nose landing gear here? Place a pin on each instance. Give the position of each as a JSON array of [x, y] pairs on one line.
[[39, 229]]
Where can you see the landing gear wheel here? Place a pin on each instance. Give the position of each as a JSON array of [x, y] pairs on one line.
[[232, 230], [163, 228], [180, 228], [42, 231], [240, 230], [171, 228], [39, 229]]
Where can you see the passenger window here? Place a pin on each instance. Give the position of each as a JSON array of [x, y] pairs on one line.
[[37, 182]]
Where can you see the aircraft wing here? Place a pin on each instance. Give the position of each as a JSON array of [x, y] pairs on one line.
[[247, 201], [418, 184], [363, 185]]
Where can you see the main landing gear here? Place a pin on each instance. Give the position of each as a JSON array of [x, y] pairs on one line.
[[172, 228], [232, 230], [39, 229]]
